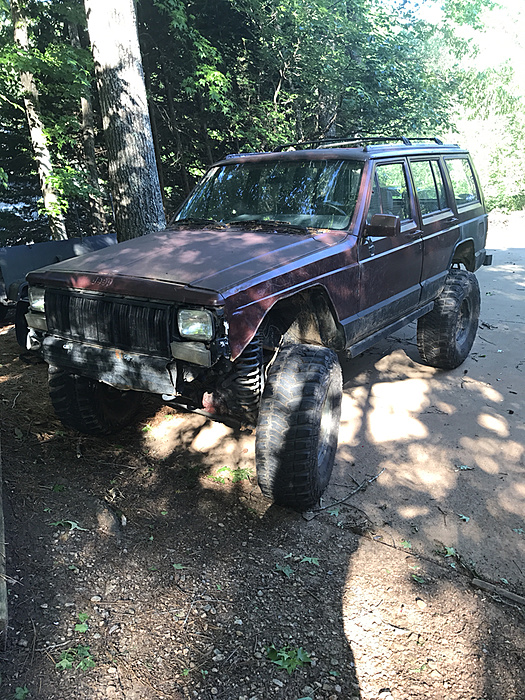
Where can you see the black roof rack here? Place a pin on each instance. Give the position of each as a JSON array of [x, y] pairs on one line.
[[353, 141]]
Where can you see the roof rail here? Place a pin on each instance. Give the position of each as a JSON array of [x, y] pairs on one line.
[[353, 141]]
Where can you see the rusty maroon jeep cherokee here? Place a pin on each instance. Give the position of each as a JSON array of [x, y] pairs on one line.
[[274, 264]]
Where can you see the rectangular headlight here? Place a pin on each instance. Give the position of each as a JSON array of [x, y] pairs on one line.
[[195, 324], [37, 299]]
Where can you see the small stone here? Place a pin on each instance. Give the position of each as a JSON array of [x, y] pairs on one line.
[[258, 655], [334, 662], [112, 670], [277, 682], [95, 599], [307, 690], [214, 691], [421, 604], [22, 642], [338, 689]]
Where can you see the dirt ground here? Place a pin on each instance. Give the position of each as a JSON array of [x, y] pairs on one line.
[[149, 566]]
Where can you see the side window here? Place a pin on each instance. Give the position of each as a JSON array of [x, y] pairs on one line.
[[463, 183], [429, 186], [390, 192]]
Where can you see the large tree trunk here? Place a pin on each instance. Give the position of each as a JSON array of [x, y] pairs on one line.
[[36, 128], [134, 180], [96, 206]]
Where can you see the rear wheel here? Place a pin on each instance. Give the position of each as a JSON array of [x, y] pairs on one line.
[[298, 425], [445, 335], [89, 406]]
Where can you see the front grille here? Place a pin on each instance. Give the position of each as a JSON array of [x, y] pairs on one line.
[[110, 321]]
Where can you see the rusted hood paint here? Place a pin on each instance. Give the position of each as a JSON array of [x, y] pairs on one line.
[[218, 260]]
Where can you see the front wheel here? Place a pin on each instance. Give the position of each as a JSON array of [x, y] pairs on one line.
[[445, 335], [298, 425], [89, 406]]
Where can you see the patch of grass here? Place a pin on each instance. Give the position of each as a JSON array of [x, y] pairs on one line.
[[287, 657]]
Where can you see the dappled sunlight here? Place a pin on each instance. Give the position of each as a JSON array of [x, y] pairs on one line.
[[495, 424], [425, 469], [512, 500], [215, 443], [493, 455], [393, 406]]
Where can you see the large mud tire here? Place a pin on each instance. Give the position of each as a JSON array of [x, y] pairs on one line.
[[445, 335], [298, 425], [89, 406]]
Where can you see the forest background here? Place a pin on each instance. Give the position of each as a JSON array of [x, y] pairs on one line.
[[246, 75]]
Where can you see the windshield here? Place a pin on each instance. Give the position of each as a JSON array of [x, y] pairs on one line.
[[312, 193]]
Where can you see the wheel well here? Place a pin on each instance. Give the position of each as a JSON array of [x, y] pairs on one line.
[[464, 254], [307, 317]]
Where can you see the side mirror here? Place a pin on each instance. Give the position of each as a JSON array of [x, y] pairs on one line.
[[384, 225]]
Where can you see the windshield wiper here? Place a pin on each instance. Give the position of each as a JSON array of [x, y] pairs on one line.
[[198, 222], [271, 224]]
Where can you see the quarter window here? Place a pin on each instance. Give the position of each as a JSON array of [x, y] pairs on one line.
[[429, 186], [463, 183]]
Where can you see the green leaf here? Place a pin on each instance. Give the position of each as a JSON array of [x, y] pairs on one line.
[[310, 560], [286, 569], [406, 544], [21, 693], [179, 567], [418, 579]]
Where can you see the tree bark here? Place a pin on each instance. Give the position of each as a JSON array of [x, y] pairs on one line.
[[36, 128], [133, 175], [96, 206]]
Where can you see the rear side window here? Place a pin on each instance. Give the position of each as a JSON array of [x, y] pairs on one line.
[[430, 189], [463, 183]]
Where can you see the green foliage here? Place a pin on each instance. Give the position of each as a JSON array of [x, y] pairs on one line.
[[287, 657], [21, 693], [78, 657], [82, 625]]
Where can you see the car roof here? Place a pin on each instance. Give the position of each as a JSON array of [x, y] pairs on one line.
[[339, 150]]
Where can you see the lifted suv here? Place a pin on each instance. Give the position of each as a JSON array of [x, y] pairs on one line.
[[274, 264]]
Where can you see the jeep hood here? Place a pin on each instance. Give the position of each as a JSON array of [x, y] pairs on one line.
[[213, 259]]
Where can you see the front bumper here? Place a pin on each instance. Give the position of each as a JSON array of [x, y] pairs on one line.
[[121, 369]]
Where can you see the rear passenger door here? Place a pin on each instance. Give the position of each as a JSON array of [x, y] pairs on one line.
[[390, 266], [439, 223]]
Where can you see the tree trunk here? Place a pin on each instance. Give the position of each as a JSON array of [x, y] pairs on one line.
[[133, 176], [96, 206], [36, 128]]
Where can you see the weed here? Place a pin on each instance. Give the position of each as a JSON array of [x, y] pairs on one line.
[[179, 567], [406, 544], [186, 672], [418, 579], [287, 657], [21, 693], [310, 560], [75, 657], [286, 569], [58, 488], [82, 625]]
